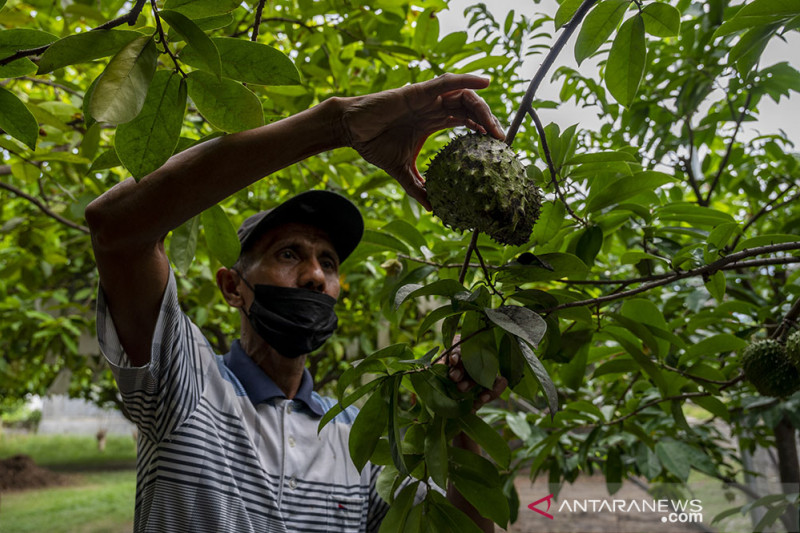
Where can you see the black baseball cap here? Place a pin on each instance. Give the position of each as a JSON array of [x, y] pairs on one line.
[[327, 210]]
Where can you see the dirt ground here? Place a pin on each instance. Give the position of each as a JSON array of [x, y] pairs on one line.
[[20, 472]]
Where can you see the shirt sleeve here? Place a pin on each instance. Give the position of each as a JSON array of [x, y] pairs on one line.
[[160, 395]]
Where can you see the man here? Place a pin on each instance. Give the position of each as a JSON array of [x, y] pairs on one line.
[[229, 443]]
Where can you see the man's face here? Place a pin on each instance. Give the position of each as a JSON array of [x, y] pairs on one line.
[[295, 255]]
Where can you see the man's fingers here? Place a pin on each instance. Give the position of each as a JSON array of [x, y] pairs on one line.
[[472, 107], [451, 82], [415, 188]]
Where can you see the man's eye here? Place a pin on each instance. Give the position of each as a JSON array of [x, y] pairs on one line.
[[286, 254]]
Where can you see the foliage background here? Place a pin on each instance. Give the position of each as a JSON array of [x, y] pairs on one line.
[[671, 237]]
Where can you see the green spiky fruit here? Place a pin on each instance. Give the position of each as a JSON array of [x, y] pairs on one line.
[[793, 349], [766, 366], [477, 183]]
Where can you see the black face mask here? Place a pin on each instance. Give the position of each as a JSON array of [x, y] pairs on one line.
[[293, 321]]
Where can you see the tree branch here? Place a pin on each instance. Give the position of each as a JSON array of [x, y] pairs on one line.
[[551, 166], [52, 84], [788, 321], [727, 155], [129, 18], [257, 23], [706, 269], [46, 210], [527, 100], [763, 211], [163, 39]]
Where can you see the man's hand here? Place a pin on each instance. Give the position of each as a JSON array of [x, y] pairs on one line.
[[389, 128], [459, 375]]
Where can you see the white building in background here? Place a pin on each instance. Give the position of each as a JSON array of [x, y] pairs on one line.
[[64, 415]]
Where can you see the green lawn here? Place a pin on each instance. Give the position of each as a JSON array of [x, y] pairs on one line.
[[99, 498]]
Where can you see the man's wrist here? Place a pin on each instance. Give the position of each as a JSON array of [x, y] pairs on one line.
[[334, 111]]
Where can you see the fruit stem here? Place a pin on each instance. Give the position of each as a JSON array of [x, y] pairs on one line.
[[472, 244]]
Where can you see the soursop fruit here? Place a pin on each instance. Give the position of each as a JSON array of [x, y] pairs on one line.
[[793, 349], [766, 366], [477, 183]]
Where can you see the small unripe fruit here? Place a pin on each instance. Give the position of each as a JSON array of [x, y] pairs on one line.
[[767, 366]]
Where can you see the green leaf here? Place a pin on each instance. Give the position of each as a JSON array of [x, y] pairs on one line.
[[251, 62], [613, 470], [550, 221], [221, 238], [435, 316], [479, 353], [15, 39], [620, 365], [15, 69], [121, 90], [442, 287], [542, 377], [487, 437], [519, 321], [195, 37], [225, 104], [626, 61], [661, 20], [648, 462], [106, 160], [489, 502], [393, 390], [564, 266], [396, 516], [719, 236], [146, 142], [598, 26], [184, 243], [764, 240], [714, 406], [443, 517], [692, 214], [426, 31], [566, 11], [627, 187], [720, 343], [84, 47], [385, 240], [601, 157], [483, 63], [405, 231], [674, 456], [433, 392], [716, 286], [436, 451], [347, 401], [589, 244], [358, 370], [759, 13], [367, 429], [17, 120], [747, 52], [201, 8]]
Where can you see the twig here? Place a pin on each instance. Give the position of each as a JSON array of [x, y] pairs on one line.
[[163, 39], [727, 155], [763, 211], [257, 23], [706, 269], [129, 18], [527, 100], [788, 321], [472, 244], [461, 341], [46, 210], [440, 265], [52, 84], [692, 376], [488, 276], [551, 166]]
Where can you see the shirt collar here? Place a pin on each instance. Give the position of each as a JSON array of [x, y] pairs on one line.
[[259, 386]]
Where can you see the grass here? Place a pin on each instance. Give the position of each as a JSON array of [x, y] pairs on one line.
[[97, 502], [71, 452], [99, 498]]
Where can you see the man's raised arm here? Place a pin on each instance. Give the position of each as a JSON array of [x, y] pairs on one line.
[[130, 221]]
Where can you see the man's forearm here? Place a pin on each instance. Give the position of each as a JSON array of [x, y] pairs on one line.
[[463, 441], [133, 214]]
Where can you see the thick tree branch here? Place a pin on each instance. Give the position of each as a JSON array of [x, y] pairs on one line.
[[704, 270], [561, 42], [551, 166], [46, 210], [788, 322], [129, 18], [727, 155]]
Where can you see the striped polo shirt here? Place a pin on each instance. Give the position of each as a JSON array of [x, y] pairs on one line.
[[222, 449]]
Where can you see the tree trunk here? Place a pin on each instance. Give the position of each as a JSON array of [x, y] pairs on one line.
[[789, 467]]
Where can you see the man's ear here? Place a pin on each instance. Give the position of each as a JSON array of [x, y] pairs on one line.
[[228, 283]]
